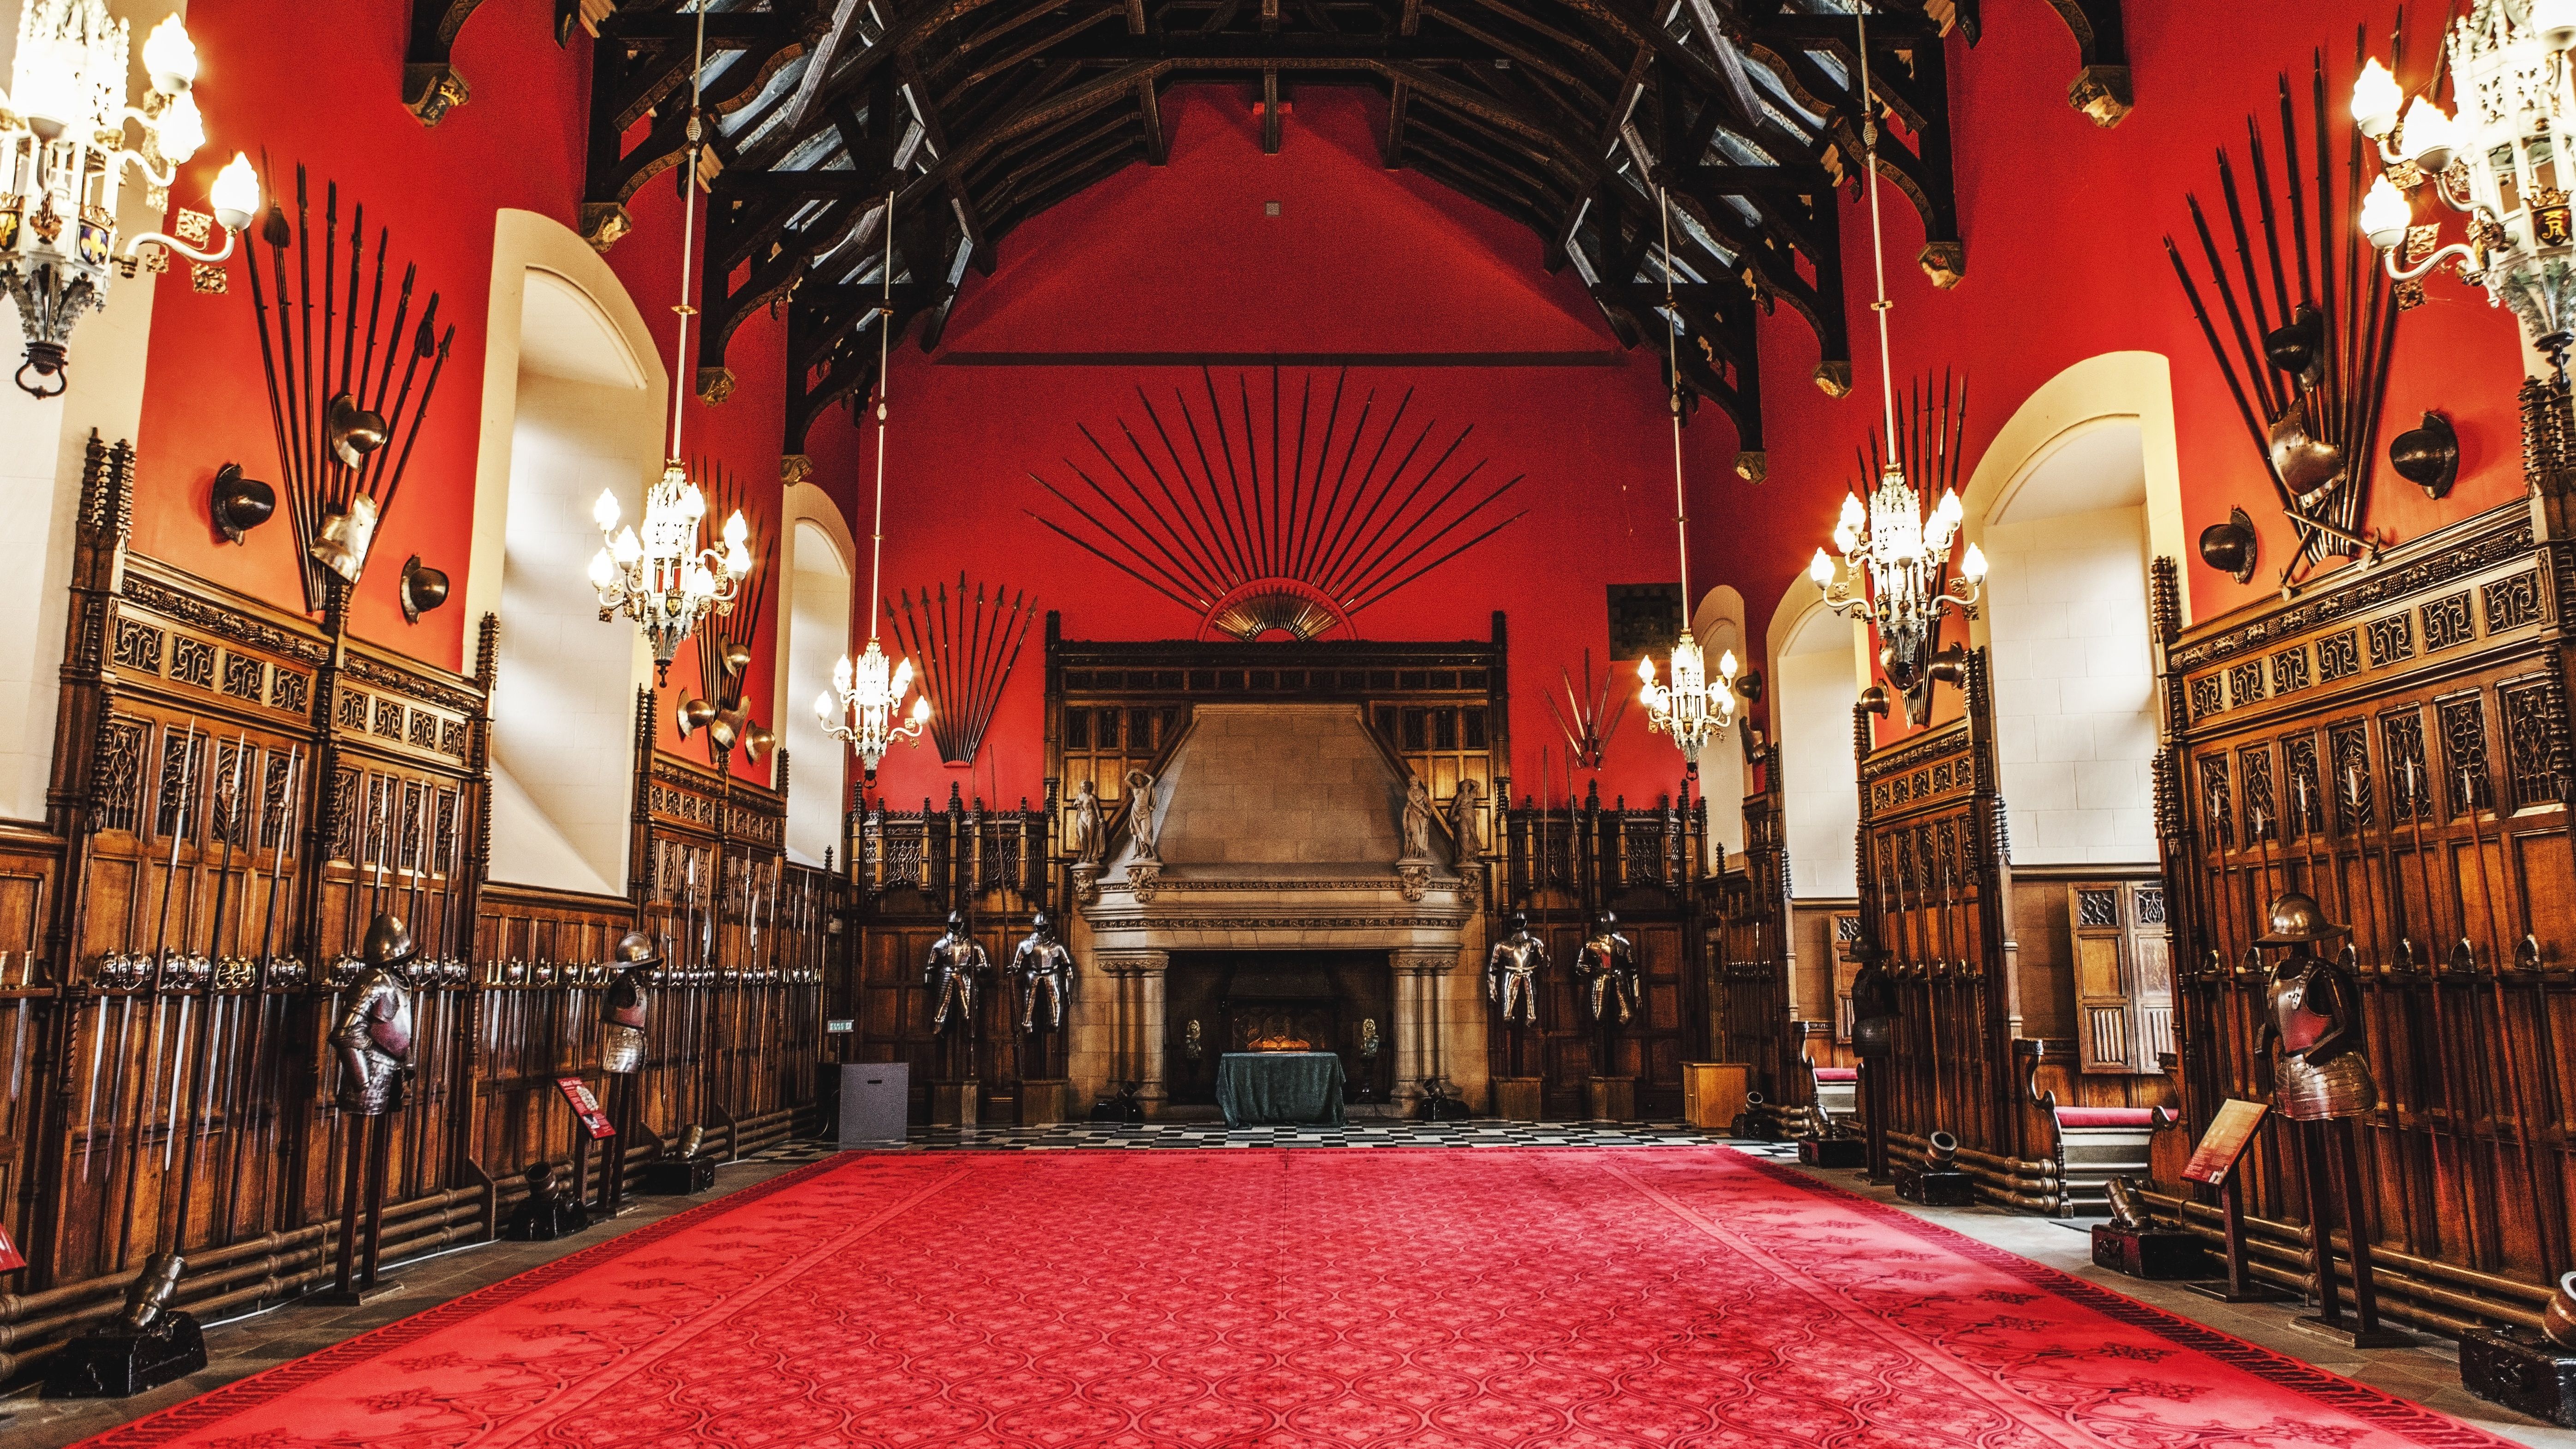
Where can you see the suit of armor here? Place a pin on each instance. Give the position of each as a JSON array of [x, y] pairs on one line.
[[1607, 965], [621, 1007], [954, 973], [2313, 1016], [373, 1036], [1043, 963], [1511, 973]]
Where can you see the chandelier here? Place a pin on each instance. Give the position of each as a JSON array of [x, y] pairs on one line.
[[63, 156], [1896, 562], [2497, 163], [867, 694], [662, 579], [1687, 709]]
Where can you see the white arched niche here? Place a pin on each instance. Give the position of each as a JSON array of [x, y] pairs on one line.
[[1718, 624], [2072, 499], [573, 404], [1819, 663], [813, 634]]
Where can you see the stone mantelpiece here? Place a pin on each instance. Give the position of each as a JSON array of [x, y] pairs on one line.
[[1280, 828]]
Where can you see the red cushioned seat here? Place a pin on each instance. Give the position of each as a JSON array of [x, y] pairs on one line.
[[2105, 1116], [1837, 1074]]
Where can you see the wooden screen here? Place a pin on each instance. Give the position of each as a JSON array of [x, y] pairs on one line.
[[2394, 742], [1934, 878]]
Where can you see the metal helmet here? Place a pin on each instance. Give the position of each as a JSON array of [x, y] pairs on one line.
[[1520, 922], [389, 941], [1039, 923], [1609, 920], [2297, 919], [635, 950], [956, 923]]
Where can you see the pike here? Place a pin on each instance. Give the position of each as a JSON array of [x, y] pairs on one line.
[[2418, 801], [253, 1079], [178, 833], [2525, 1129], [2312, 824], [227, 805]]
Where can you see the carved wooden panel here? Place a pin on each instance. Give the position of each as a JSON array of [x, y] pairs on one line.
[[2414, 790]]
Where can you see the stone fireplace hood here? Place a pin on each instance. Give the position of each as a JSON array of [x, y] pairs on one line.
[[1280, 827]]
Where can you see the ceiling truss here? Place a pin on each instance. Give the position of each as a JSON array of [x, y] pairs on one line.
[[1566, 115]]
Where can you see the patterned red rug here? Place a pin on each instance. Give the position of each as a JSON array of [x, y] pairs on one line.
[[1451, 1299]]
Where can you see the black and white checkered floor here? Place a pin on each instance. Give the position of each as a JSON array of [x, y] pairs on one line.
[[1071, 1136]]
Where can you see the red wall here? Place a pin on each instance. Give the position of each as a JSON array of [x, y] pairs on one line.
[[2062, 222], [1389, 266]]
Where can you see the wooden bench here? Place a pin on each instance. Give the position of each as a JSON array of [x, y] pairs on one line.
[[1837, 1090]]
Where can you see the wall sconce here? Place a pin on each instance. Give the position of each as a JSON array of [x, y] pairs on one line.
[[423, 589], [240, 504], [2231, 547], [2428, 457]]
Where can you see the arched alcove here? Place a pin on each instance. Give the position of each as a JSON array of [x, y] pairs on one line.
[[813, 634], [573, 399], [1818, 661], [1718, 624], [2077, 492]]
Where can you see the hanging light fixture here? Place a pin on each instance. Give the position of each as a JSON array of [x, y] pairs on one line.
[[661, 578], [1688, 709], [63, 158], [1895, 561], [2497, 163], [867, 694]]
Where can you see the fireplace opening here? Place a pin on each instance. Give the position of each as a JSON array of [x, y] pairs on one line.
[[1241, 1001]]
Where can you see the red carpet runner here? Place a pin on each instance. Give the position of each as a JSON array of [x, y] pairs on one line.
[[1451, 1299]]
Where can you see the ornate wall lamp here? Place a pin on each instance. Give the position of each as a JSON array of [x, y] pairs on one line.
[[63, 159]]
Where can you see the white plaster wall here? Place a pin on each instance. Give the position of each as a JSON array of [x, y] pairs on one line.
[[817, 634], [1813, 687], [2066, 602], [1718, 622], [40, 464], [563, 707]]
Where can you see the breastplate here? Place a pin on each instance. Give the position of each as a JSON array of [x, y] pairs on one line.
[[2300, 1027]]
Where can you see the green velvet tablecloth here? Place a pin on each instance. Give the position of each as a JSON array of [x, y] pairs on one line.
[[1279, 1087]]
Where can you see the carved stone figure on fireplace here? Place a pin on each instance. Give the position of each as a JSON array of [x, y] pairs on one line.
[[1417, 819], [1466, 823], [1512, 970], [1607, 966], [1141, 829], [954, 974], [1085, 838]]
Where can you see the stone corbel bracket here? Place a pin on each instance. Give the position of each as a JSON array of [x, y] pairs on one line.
[[431, 84]]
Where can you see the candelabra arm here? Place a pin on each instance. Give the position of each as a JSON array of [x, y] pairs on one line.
[[134, 248], [2459, 250]]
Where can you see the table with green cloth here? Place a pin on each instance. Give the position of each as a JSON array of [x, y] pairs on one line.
[[1279, 1087]]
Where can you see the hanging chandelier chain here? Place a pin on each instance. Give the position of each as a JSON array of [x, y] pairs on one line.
[[1673, 360], [885, 330], [1877, 235], [688, 233]]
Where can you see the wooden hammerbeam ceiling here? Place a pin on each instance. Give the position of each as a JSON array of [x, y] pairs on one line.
[[974, 115]]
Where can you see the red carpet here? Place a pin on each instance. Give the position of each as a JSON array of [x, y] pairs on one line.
[[1463, 1299]]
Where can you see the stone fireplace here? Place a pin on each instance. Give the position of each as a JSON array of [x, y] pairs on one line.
[[1280, 901]]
